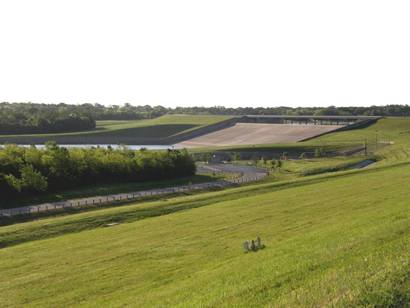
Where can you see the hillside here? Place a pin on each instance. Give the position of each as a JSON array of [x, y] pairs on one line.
[[153, 131], [391, 134], [335, 239]]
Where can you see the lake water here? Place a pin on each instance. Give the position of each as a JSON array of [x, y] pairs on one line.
[[114, 146]]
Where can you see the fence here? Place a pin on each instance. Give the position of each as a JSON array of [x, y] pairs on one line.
[[112, 199]]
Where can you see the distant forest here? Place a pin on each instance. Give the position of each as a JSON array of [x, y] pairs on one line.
[[388, 110], [29, 118]]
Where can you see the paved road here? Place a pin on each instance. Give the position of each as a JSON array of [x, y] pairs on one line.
[[246, 174], [363, 164]]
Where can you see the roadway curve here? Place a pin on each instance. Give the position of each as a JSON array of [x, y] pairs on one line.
[[246, 172]]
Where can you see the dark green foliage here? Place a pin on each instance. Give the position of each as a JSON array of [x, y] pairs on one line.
[[236, 156], [32, 170], [30, 180], [388, 110], [392, 292], [275, 164], [126, 112], [41, 118], [28, 118], [319, 152]]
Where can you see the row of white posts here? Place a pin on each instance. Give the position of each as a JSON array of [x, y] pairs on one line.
[[125, 197]]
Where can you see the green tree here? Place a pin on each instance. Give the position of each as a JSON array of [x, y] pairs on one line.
[[236, 156], [32, 170], [275, 165], [319, 152], [32, 180]]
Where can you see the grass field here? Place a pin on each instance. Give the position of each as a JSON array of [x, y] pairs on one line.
[[145, 131], [294, 168], [305, 167], [334, 239], [301, 166], [385, 131]]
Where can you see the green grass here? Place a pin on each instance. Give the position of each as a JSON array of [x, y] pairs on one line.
[[334, 239], [310, 167], [299, 147], [126, 131], [339, 239], [302, 166], [386, 130], [294, 168], [165, 126]]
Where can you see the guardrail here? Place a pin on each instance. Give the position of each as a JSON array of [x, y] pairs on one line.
[[133, 196]]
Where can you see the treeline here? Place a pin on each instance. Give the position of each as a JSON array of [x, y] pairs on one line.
[[125, 112], [41, 118], [28, 171], [388, 110], [29, 118]]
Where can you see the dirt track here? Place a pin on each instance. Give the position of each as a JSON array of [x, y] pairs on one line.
[[252, 133]]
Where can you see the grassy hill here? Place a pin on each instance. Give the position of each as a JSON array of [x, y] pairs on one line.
[[339, 239], [329, 240], [129, 132], [392, 134]]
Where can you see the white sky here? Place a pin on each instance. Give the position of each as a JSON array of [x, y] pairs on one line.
[[206, 53]]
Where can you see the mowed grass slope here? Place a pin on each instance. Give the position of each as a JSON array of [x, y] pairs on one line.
[[330, 240], [164, 126], [386, 130], [117, 131]]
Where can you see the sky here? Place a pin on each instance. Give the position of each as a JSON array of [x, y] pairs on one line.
[[206, 53]]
